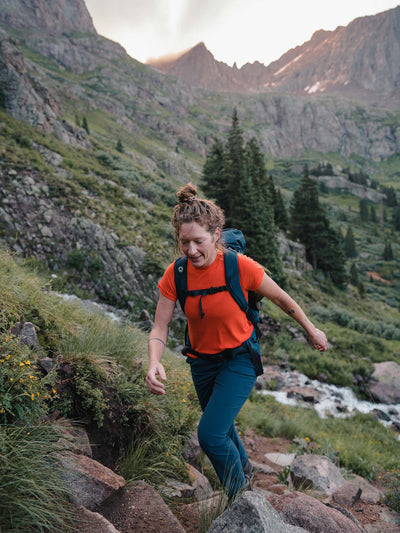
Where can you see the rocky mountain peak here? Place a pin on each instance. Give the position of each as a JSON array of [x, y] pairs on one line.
[[49, 16], [198, 67]]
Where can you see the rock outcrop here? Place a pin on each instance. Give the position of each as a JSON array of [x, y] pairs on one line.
[[49, 17]]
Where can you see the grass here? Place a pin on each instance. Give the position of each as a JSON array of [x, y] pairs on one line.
[[33, 494]]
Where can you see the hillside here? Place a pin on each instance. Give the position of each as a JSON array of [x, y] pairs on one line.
[[94, 145]]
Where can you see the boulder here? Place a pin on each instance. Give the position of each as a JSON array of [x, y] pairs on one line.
[[91, 482], [304, 511], [356, 489], [27, 334], [251, 513], [385, 382], [317, 472], [138, 507]]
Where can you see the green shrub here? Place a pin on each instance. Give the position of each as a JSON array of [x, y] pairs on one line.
[[391, 480], [22, 394], [76, 259]]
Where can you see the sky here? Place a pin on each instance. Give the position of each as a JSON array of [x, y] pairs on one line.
[[241, 31]]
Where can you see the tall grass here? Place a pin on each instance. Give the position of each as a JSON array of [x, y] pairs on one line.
[[33, 495]]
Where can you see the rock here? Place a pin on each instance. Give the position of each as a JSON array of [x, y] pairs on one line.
[[129, 510], [346, 495], [201, 486], [91, 482], [76, 438], [317, 472], [27, 333], [198, 488], [281, 459], [192, 450], [384, 384], [304, 511], [262, 468], [251, 513], [89, 519]]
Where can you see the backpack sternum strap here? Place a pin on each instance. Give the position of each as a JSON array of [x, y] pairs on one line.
[[204, 292]]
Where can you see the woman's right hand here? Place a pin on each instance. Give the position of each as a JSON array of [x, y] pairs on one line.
[[153, 384]]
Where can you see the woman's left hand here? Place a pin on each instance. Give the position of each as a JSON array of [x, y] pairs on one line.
[[318, 340]]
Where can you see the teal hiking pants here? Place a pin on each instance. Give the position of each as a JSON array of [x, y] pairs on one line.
[[222, 387]]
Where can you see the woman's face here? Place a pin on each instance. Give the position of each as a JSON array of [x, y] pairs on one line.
[[198, 244]]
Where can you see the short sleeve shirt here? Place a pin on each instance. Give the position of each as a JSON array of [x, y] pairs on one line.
[[224, 324]]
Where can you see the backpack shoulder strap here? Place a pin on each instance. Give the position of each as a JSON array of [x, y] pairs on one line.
[[180, 273], [232, 279]]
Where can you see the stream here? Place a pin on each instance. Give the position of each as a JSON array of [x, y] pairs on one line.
[[328, 400]]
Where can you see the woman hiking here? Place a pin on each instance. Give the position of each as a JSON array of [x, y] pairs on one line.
[[222, 339]]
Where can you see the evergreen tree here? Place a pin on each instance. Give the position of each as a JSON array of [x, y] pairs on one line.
[[310, 226], [354, 274], [391, 199], [363, 210], [396, 218], [119, 147], [388, 252], [349, 245], [280, 214], [361, 289], [234, 169], [280, 211], [85, 125], [235, 177], [257, 214], [214, 176]]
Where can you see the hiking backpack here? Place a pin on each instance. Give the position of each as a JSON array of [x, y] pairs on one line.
[[234, 242]]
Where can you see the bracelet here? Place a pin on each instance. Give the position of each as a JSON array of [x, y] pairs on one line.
[[156, 339]]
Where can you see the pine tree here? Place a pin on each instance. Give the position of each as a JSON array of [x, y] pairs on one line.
[[363, 210], [85, 125], [280, 212], [388, 252], [354, 274], [234, 169], [235, 177], [349, 244], [310, 226], [391, 199], [307, 219], [257, 216], [214, 175], [396, 218], [119, 147]]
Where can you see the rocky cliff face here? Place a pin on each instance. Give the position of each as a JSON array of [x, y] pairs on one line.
[[47, 15], [361, 58]]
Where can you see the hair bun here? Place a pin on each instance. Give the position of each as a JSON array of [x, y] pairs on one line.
[[187, 194]]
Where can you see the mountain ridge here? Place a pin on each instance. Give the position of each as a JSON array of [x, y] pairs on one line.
[[320, 65]]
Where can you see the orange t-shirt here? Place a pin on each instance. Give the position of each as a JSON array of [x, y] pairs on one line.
[[224, 324]]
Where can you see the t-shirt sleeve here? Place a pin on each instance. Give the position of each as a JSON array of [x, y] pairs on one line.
[[251, 273], [167, 284]]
